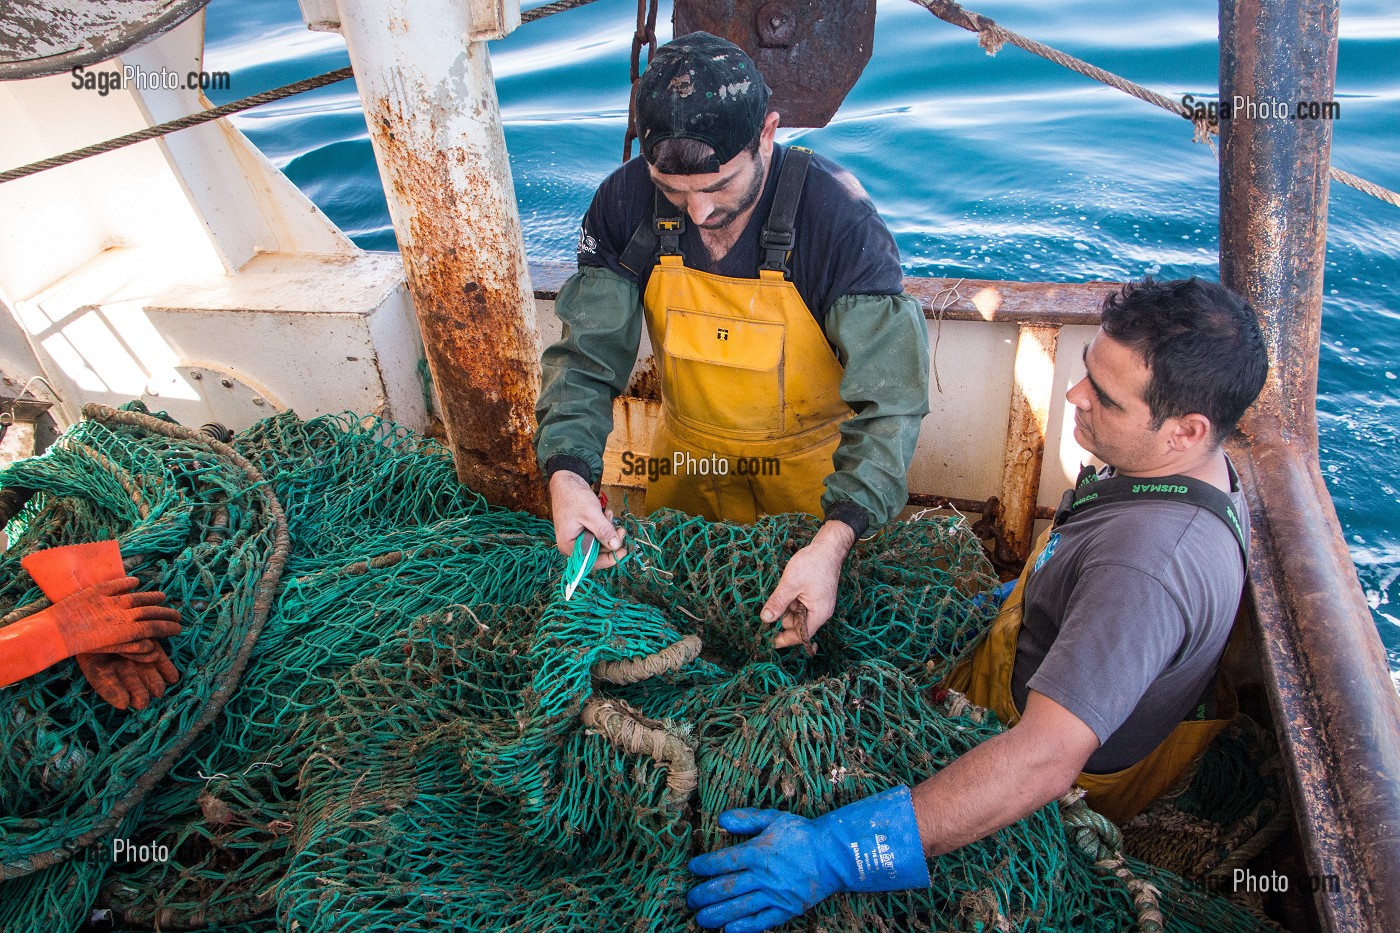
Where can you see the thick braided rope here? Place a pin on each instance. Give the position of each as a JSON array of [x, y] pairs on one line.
[[634, 670], [1366, 187], [549, 9], [625, 727], [1261, 840], [1101, 840], [992, 37]]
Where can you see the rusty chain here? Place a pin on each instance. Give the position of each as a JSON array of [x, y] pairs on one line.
[[646, 32]]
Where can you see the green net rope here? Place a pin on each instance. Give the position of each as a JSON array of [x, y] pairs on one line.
[[389, 719]]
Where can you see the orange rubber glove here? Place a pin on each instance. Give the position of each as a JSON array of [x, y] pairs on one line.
[[83, 623], [124, 682], [62, 571], [127, 674]]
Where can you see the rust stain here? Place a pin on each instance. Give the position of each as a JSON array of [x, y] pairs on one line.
[[646, 383], [1025, 439], [811, 59], [1329, 676], [1337, 717], [467, 289], [636, 421]]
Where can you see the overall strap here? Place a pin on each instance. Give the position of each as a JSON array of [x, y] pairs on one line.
[[778, 233], [1091, 491], [662, 233]]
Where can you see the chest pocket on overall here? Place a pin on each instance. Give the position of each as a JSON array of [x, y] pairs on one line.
[[727, 371]]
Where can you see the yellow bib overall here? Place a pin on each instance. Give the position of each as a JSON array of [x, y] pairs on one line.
[[985, 678], [751, 403]]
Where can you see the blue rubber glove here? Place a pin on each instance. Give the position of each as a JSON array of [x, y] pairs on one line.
[[996, 595], [870, 845]]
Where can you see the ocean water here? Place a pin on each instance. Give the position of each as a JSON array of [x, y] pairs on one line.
[[1003, 168]]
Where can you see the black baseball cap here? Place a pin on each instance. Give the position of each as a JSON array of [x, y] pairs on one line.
[[704, 88]]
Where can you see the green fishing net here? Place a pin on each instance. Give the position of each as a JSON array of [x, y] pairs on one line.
[[390, 719]]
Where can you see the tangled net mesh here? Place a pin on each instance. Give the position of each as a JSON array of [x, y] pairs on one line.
[[389, 719]]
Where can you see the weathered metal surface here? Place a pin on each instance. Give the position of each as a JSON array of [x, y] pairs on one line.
[[313, 333], [1333, 701], [221, 395], [646, 381], [1334, 705], [1031, 390], [549, 277], [1273, 186], [809, 52], [926, 501], [18, 419], [430, 103], [634, 425], [492, 19], [46, 37], [949, 299], [1011, 302], [320, 15]]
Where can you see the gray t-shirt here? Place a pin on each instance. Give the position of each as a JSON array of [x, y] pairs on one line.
[[1126, 619]]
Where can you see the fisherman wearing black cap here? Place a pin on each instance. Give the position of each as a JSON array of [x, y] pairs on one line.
[[773, 298]]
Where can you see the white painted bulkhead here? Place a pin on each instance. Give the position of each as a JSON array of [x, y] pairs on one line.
[[122, 274]]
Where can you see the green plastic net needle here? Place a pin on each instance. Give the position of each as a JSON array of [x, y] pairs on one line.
[[580, 563]]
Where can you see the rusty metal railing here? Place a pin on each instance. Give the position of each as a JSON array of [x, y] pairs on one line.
[[1333, 703]]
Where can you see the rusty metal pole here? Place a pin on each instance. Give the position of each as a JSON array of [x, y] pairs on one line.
[[1273, 184], [1025, 434], [424, 77], [1325, 669]]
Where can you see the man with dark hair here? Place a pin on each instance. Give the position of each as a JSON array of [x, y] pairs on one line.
[[773, 297], [1104, 659], [1190, 334]]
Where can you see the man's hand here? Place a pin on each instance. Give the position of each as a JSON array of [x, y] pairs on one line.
[[870, 845], [576, 509], [806, 593]]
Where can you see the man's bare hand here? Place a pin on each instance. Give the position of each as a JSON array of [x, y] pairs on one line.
[[576, 510], [806, 594]]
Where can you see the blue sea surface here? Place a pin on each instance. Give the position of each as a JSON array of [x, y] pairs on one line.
[[1005, 167]]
